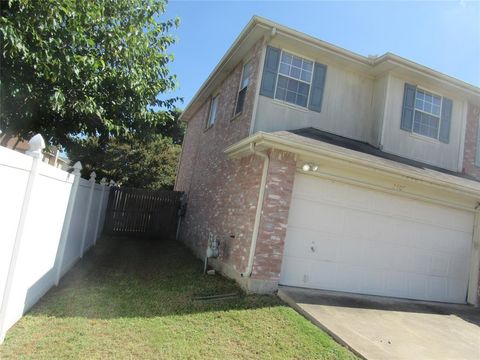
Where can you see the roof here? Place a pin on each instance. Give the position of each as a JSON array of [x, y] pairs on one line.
[[258, 28], [366, 148], [325, 145]]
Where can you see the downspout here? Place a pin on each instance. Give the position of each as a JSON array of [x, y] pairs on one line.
[[256, 225]]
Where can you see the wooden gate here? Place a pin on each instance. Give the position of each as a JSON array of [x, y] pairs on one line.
[[142, 212]]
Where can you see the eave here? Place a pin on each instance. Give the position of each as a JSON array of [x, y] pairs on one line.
[[313, 149]]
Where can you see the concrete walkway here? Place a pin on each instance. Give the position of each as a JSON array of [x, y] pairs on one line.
[[385, 328]]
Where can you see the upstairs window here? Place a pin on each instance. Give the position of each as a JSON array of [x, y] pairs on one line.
[[294, 79], [242, 93], [426, 113], [212, 115], [426, 120]]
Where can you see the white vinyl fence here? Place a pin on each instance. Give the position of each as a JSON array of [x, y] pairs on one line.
[[48, 219]]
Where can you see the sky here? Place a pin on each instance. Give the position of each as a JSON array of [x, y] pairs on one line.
[[444, 36]]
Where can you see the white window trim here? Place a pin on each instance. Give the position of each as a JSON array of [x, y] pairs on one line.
[[425, 112], [290, 77]]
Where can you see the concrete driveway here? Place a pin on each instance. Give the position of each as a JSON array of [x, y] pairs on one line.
[[385, 328]]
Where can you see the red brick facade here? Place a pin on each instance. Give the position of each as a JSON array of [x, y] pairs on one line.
[[469, 156], [469, 166], [273, 222], [222, 193]]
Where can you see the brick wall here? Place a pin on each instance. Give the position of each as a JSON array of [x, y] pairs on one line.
[[273, 221], [222, 193], [471, 132], [469, 155]]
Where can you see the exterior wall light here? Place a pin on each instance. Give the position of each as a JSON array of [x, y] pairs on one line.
[[309, 167]]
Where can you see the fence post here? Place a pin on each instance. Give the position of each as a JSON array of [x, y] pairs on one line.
[[103, 182], [36, 145], [77, 167], [87, 213]]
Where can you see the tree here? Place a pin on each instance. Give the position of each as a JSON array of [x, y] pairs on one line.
[[130, 160], [147, 158], [74, 69]]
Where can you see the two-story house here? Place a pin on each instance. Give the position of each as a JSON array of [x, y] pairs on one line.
[[320, 168]]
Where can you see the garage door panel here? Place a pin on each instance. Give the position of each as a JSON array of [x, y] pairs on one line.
[[457, 267], [437, 287], [373, 281], [302, 269], [323, 275], [316, 216], [395, 283], [348, 278], [439, 264], [346, 238]]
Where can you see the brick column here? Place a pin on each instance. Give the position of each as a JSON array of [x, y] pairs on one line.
[[273, 222]]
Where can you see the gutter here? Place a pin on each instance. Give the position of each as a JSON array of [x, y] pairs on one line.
[[261, 195], [267, 140]]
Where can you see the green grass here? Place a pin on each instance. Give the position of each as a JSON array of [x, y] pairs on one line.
[[135, 299]]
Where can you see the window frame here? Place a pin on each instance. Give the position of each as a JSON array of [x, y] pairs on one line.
[[424, 90], [240, 88], [210, 123], [290, 77]]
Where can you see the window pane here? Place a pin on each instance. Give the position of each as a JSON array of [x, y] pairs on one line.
[[247, 70], [306, 75], [296, 67], [281, 93], [307, 65], [419, 104], [213, 111], [284, 69], [428, 107], [297, 62], [291, 90], [292, 85], [426, 124], [282, 81], [301, 100], [303, 89], [286, 58], [428, 102], [295, 72], [240, 101], [291, 96]]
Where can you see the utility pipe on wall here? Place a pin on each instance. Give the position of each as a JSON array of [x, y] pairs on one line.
[[256, 225]]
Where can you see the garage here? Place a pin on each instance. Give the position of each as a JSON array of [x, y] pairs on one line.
[[356, 239]]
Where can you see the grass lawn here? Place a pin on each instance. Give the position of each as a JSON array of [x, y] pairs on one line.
[[134, 299]]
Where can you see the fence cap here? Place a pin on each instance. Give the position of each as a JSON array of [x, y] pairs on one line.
[[36, 145], [77, 167], [103, 181], [93, 176]]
